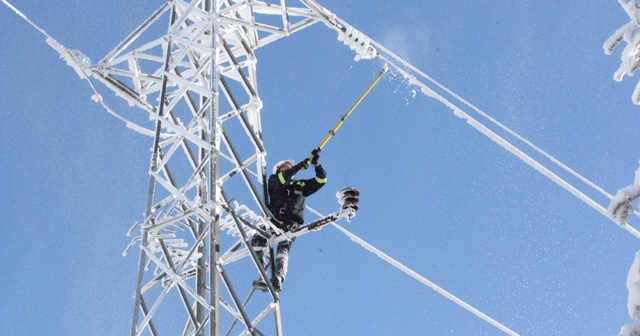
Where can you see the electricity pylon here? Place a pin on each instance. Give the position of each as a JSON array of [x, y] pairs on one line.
[[191, 66]]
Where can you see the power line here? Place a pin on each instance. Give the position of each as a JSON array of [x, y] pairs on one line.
[[404, 68], [72, 60], [419, 277]]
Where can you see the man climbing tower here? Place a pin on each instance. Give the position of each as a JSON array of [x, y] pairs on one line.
[[287, 201]]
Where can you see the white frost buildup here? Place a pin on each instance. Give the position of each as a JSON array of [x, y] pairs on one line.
[[621, 206], [630, 330], [630, 33], [633, 302], [358, 42], [633, 285]]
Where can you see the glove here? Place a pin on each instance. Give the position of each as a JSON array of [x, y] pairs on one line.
[[304, 164], [315, 154]]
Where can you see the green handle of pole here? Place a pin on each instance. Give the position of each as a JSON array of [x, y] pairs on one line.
[[344, 117]]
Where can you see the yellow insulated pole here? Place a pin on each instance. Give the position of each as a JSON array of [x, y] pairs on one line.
[[335, 129]]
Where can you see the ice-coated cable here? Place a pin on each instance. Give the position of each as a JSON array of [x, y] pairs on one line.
[[485, 115], [418, 277], [424, 280], [401, 65], [411, 73], [57, 46]]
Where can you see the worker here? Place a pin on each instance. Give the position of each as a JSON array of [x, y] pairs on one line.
[[287, 202]]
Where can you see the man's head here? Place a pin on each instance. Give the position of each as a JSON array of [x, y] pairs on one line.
[[282, 166]]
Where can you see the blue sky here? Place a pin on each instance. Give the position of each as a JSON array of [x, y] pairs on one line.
[[436, 194]]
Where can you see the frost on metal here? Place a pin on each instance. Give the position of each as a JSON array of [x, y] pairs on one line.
[[633, 301], [74, 58], [629, 33], [358, 42], [621, 204]]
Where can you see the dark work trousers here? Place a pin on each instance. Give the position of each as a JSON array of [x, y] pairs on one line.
[[259, 244]]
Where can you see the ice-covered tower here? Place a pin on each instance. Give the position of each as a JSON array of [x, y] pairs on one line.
[[191, 66]]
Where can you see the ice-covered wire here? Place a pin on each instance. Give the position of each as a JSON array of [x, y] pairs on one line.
[[67, 55], [418, 277], [488, 117], [405, 68], [411, 73]]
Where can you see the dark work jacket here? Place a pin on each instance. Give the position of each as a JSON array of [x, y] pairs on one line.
[[287, 196]]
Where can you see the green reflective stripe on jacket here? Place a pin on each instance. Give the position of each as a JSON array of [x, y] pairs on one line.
[[321, 180], [281, 178], [300, 184]]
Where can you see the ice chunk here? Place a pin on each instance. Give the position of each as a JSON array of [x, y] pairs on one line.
[[621, 204]]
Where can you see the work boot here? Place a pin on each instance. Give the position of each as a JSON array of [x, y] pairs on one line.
[[261, 285], [277, 284]]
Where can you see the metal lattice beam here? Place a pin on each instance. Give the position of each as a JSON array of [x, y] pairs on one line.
[[191, 66]]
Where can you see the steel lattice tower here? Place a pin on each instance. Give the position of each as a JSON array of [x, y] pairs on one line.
[[191, 66]]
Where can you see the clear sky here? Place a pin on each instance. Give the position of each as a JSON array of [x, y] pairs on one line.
[[436, 194]]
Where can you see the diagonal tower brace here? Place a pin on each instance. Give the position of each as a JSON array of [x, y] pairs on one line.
[[191, 66]]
